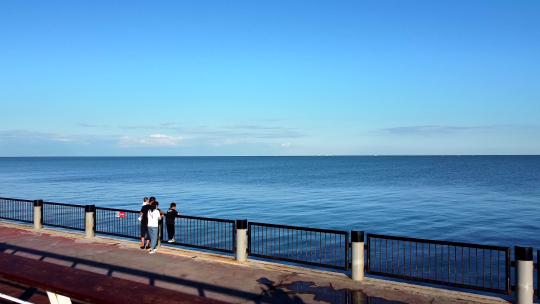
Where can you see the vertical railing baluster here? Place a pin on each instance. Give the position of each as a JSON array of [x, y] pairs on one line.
[[483, 268], [397, 256], [462, 265], [455, 264], [490, 269], [429, 262], [381, 254], [498, 269], [386, 255]]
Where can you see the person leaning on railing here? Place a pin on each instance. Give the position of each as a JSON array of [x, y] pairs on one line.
[[145, 240], [169, 218]]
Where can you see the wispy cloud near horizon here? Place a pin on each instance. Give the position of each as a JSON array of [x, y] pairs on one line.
[[35, 135], [240, 131], [169, 137], [428, 130]]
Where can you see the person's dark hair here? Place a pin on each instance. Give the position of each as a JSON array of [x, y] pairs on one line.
[[145, 199], [153, 205], [152, 199], [173, 204]]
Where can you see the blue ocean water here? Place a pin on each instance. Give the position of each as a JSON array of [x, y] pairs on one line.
[[480, 199]]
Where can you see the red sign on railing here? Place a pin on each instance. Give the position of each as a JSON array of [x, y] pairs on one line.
[[120, 214]]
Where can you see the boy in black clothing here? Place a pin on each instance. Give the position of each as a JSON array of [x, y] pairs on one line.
[[169, 218], [145, 239]]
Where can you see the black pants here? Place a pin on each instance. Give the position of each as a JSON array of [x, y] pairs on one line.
[[170, 230], [144, 231]]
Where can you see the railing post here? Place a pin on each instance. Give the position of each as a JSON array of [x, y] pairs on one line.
[[241, 240], [38, 214], [524, 275], [357, 246], [90, 220]]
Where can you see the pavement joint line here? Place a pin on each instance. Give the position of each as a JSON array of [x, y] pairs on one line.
[[409, 288]]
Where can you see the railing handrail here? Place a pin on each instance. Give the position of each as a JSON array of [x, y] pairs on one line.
[[64, 204], [115, 209], [342, 232], [206, 218], [178, 216], [438, 242], [16, 199]]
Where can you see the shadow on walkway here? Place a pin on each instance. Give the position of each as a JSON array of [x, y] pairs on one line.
[[271, 292], [288, 293], [150, 277]]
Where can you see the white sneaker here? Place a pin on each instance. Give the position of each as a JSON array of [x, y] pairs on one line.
[[170, 241], [153, 251]]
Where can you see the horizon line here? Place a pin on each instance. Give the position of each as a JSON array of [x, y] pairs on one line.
[[306, 155]]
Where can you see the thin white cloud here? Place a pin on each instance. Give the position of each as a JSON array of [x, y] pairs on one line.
[[242, 132], [36, 135], [157, 140], [285, 145]]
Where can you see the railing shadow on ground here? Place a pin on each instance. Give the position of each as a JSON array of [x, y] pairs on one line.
[[271, 292], [152, 278], [22, 292]]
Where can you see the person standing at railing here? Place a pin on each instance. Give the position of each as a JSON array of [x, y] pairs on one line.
[[145, 240], [169, 219], [154, 215]]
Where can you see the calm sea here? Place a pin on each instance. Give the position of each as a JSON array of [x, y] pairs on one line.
[[480, 199]]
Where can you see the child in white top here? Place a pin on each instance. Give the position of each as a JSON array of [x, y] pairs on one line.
[[154, 215]]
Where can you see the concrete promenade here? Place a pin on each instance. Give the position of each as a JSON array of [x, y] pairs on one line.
[[208, 275]]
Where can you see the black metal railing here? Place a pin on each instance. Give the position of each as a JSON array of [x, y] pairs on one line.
[[456, 264], [310, 246], [462, 265], [62, 215], [17, 210], [118, 222], [202, 232]]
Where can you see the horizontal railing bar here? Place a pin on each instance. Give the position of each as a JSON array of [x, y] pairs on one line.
[[206, 218], [178, 216], [17, 220], [341, 232], [63, 226], [64, 204], [439, 242], [436, 282], [198, 246], [114, 209], [297, 261], [16, 199], [118, 234]]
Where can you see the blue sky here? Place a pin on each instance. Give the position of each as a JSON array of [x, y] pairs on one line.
[[269, 77]]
